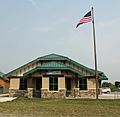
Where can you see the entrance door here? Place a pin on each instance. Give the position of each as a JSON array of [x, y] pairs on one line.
[[68, 86], [38, 86]]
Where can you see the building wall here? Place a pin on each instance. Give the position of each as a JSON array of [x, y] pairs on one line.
[[4, 85], [14, 83], [61, 83], [61, 93], [91, 89], [37, 74], [30, 83], [45, 82], [91, 83]]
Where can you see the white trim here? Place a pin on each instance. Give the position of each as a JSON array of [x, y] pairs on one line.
[[91, 88], [44, 88], [61, 88]]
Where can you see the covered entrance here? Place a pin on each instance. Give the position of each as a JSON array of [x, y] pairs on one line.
[[31, 86], [68, 87], [38, 86]]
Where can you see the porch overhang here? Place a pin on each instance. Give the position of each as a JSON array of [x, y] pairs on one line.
[[53, 66], [102, 76]]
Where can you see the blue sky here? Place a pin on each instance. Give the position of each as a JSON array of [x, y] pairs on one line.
[[33, 28]]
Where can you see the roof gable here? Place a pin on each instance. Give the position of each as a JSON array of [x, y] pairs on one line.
[[53, 64]]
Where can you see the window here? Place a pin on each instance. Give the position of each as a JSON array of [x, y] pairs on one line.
[[83, 84], [23, 84], [53, 83]]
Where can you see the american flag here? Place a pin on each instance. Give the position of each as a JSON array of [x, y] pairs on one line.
[[87, 18]]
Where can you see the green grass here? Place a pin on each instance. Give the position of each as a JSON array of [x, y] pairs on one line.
[[36, 107]]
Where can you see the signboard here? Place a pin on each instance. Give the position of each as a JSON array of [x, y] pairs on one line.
[[53, 73]]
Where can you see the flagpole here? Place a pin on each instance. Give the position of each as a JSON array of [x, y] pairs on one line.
[[95, 54]]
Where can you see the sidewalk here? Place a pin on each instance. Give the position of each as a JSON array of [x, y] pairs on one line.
[[5, 98], [4, 95]]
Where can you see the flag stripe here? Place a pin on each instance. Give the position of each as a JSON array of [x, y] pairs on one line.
[[87, 18]]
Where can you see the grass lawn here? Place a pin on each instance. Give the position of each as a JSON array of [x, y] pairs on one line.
[[24, 107]]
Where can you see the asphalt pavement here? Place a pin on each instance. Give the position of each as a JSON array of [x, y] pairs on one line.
[[112, 95]]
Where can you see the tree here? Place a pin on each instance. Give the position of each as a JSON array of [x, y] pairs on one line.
[[110, 85]]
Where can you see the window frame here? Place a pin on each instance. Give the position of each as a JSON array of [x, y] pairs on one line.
[[83, 84], [23, 84], [53, 83]]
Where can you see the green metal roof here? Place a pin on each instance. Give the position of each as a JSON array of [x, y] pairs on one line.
[[82, 66], [54, 66], [52, 57], [46, 57], [102, 76], [1, 74], [57, 57]]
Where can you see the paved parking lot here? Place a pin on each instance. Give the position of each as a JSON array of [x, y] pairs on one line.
[[113, 95]]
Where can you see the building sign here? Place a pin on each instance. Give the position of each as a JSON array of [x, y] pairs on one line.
[[53, 73]]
